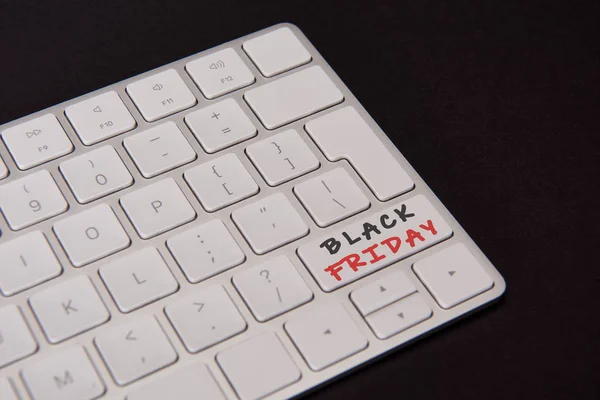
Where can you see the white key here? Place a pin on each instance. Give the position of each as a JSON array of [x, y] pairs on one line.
[[31, 199], [138, 279], [345, 134], [159, 149], [220, 125], [37, 141], [205, 250], [135, 349], [282, 157], [68, 375], [205, 318], [258, 366], [399, 316], [100, 118], [219, 73], [382, 292], [157, 208], [272, 288], [3, 169], [91, 235], [16, 340], [27, 261], [276, 52], [293, 97], [191, 382], [331, 197], [373, 242], [68, 309], [269, 223], [161, 94], [326, 335], [221, 182], [96, 174], [7, 391], [453, 275]]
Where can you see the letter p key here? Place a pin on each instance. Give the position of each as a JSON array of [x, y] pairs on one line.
[[156, 205]]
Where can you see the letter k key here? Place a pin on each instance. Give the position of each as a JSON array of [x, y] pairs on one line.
[[68, 308]]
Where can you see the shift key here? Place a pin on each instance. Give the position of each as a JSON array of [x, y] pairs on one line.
[[373, 242]]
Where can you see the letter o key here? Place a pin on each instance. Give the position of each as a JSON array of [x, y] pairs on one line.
[[92, 233]]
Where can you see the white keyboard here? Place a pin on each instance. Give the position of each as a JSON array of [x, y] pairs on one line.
[[231, 225]]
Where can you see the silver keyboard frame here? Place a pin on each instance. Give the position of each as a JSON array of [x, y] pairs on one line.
[[310, 379]]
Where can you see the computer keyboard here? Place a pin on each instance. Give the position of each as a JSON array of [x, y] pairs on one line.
[[230, 225]]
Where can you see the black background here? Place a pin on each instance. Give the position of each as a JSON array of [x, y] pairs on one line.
[[495, 104]]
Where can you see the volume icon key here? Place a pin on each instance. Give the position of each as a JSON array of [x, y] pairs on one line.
[[217, 64]]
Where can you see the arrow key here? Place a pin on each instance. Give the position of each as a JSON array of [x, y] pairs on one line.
[[399, 316], [453, 275], [326, 335], [134, 350], [384, 291]]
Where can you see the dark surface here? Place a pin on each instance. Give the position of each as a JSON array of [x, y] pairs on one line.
[[495, 104]]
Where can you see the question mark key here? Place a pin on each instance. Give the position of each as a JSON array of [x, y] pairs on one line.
[[272, 288]]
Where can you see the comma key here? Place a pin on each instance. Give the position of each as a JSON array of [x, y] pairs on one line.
[[135, 349]]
